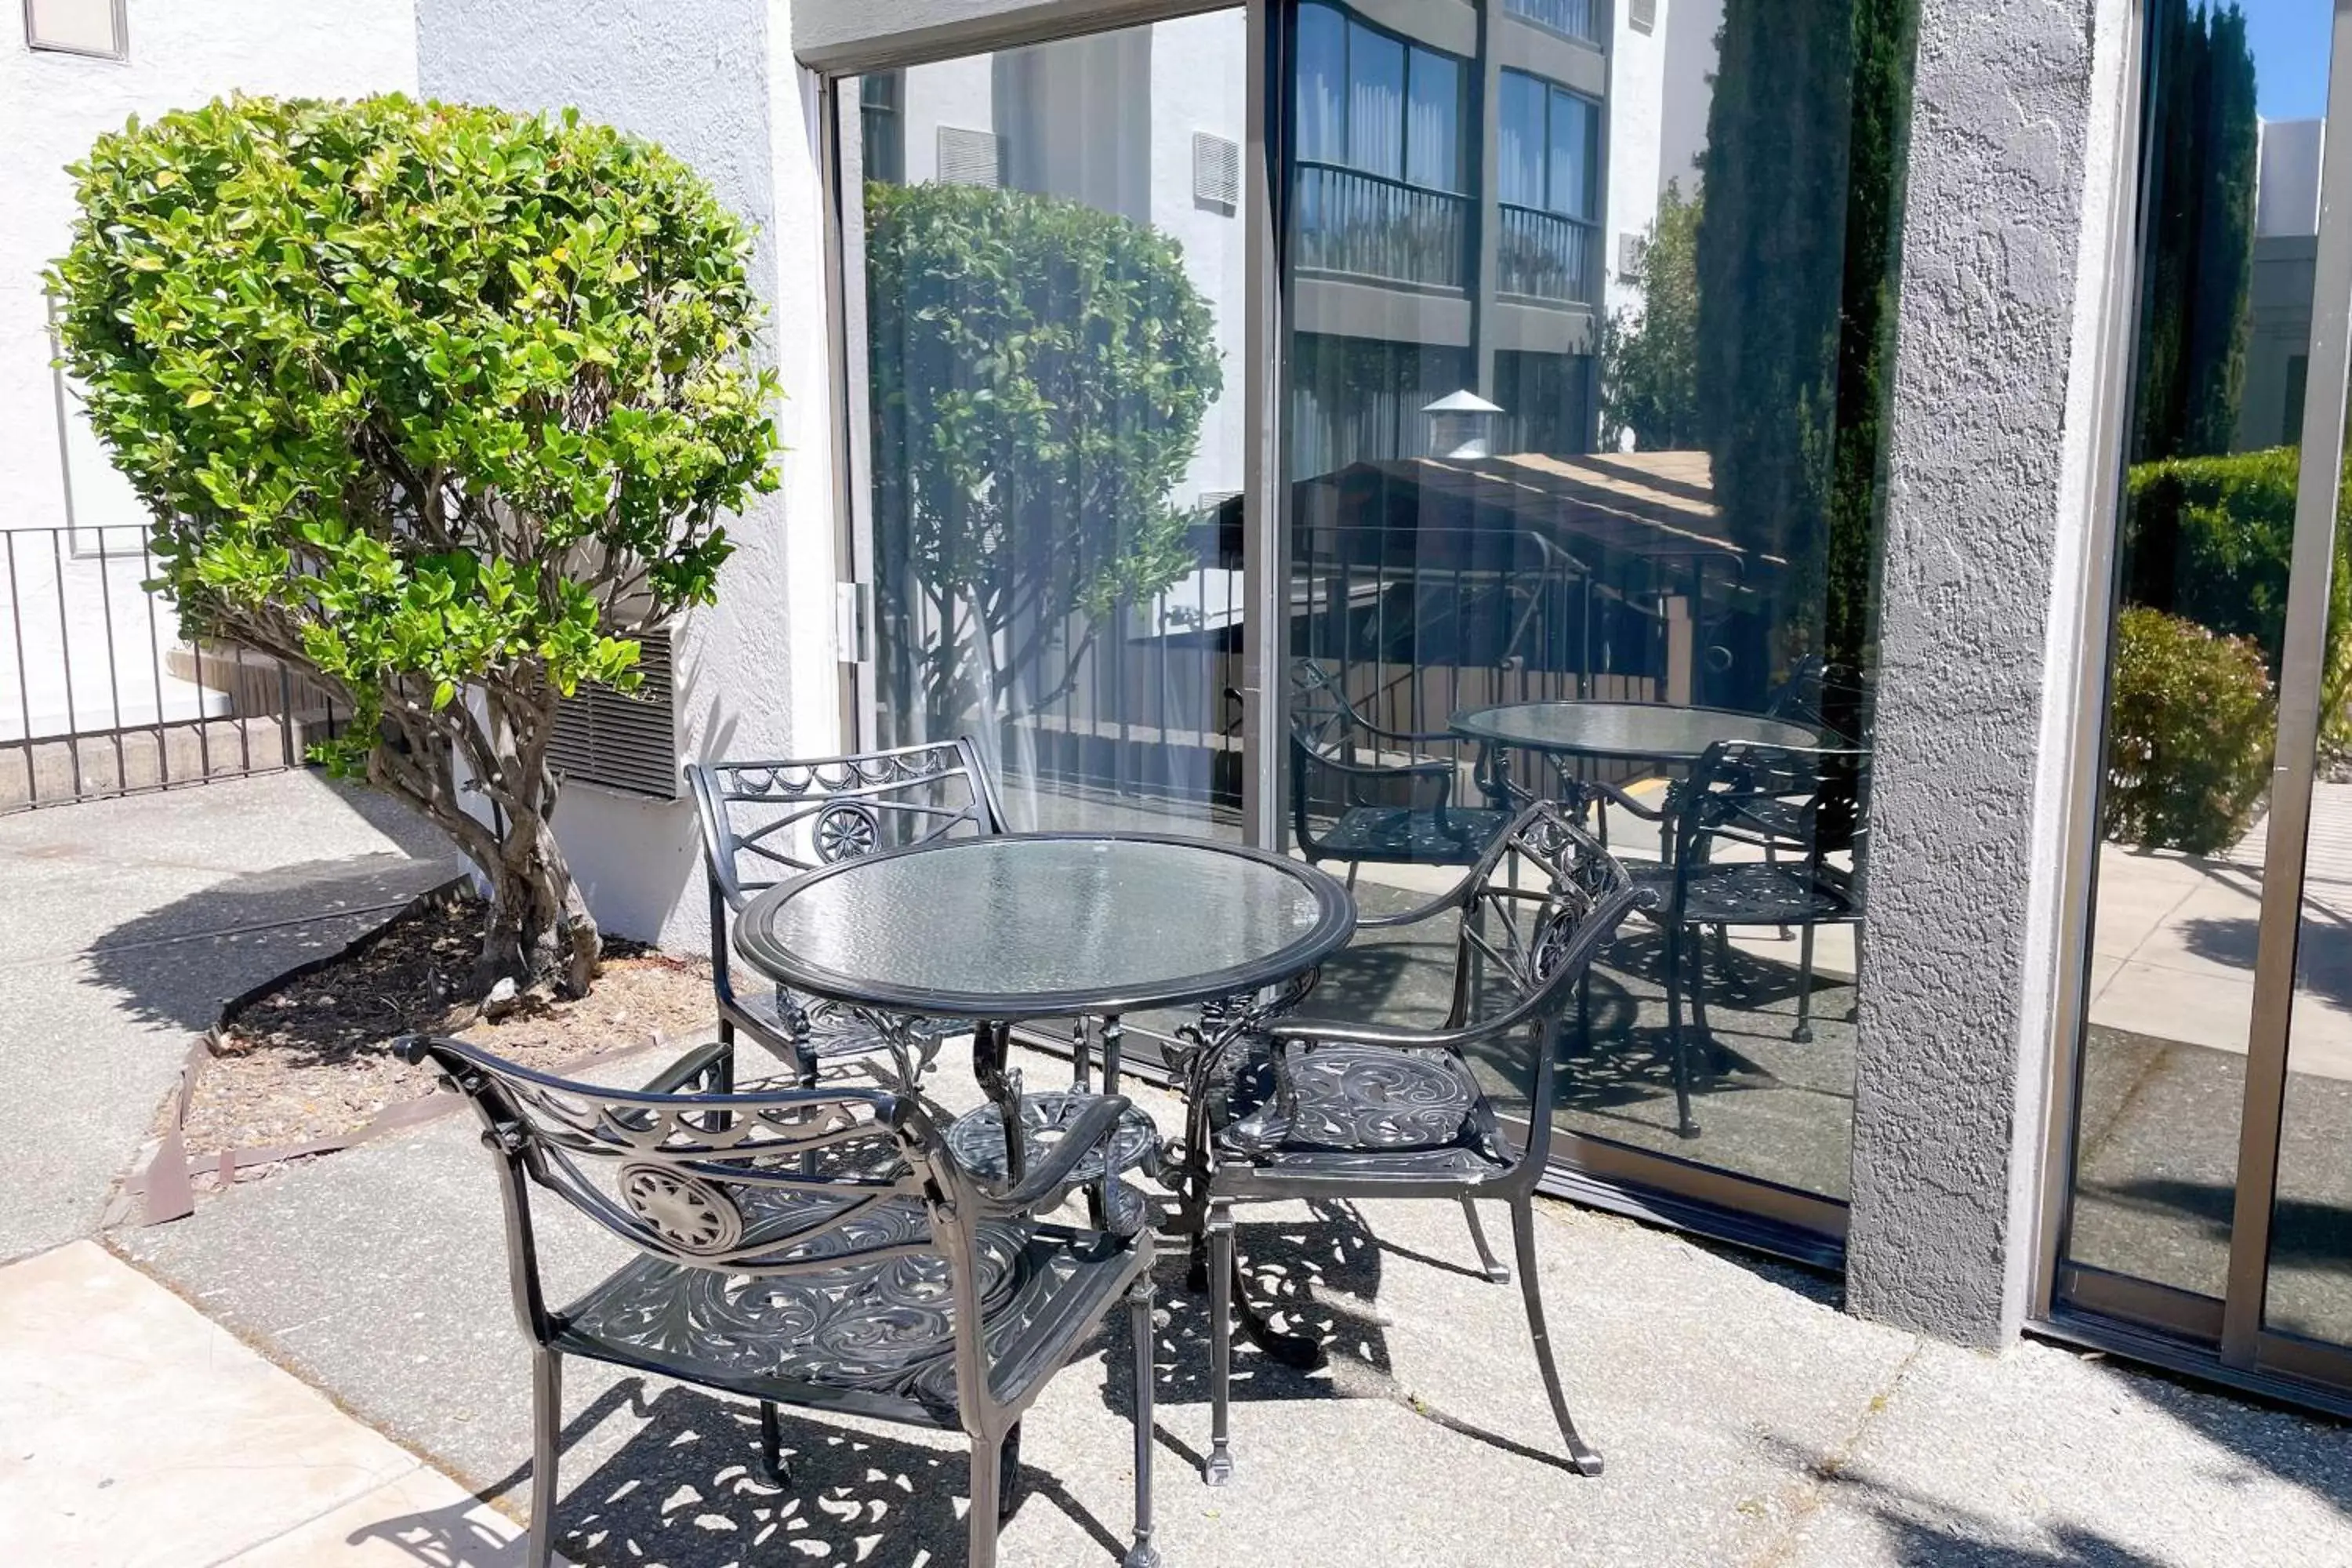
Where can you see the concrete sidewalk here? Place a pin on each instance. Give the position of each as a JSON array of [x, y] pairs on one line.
[[124, 925], [1746, 1421], [133, 1431]]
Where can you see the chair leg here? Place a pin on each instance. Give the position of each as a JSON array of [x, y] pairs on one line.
[[1523, 1234], [1113, 1052], [1008, 1475], [1676, 1046], [1487, 1262], [1804, 1034], [1219, 1469], [546, 1428], [771, 1447], [987, 1483], [1353, 867], [1143, 1554]]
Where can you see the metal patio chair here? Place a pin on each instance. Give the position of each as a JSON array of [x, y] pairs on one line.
[[1360, 793], [1306, 1108], [819, 1248], [1797, 807], [765, 822]]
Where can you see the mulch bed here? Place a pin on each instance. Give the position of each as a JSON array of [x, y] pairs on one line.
[[312, 1059]]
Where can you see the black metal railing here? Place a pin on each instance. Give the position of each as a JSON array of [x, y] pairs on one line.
[[99, 694], [1355, 225], [1578, 19], [1543, 256]]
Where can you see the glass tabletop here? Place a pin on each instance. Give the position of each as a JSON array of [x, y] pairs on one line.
[[1651, 730], [1035, 925]]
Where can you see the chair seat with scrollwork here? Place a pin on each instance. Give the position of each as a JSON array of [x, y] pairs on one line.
[[1359, 1113], [824, 1249], [766, 822]]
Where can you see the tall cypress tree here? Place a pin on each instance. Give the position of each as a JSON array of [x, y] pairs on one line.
[[1803, 175], [2204, 148]]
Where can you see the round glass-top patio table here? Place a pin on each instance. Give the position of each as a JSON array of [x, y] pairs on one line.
[[1044, 925], [1648, 731]]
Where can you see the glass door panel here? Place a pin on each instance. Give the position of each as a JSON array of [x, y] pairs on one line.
[[2222, 550], [1050, 283], [1584, 367]]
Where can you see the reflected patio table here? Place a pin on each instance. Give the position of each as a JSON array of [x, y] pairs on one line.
[[1045, 925], [1642, 731]]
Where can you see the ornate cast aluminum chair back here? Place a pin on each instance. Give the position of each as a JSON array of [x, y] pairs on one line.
[[1806, 810], [822, 1247], [1345, 1109], [1363, 793], [766, 822]]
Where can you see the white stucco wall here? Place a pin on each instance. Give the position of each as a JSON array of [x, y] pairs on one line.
[[1688, 28], [713, 81], [80, 613], [1637, 63]]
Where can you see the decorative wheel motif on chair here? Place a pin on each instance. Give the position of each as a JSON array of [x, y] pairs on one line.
[[684, 1211], [846, 830]]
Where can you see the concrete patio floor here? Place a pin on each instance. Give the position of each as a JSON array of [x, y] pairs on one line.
[[1746, 1419], [126, 923]]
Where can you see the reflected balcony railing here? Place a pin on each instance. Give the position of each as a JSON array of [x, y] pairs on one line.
[[1355, 225], [1578, 19], [1543, 256]]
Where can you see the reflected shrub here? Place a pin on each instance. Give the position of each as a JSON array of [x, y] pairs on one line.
[[2188, 734], [2210, 539]]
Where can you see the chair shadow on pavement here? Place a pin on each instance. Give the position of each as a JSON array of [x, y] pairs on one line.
[[686, 1490]]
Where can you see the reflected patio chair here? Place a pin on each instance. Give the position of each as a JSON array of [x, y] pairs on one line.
[[766, 822], [1325, 1109], [1784, 811], [818, 1248], [1363, 794]]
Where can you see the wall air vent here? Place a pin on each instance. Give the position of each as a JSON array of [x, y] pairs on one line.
[[623, 740], [970, 157], [1642, 15], [1631, 249], [1216, 171]]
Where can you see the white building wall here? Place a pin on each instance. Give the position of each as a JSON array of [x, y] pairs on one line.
[[80, 613], [1688, 28], [1637, 63], [1200, 83], [959, 94]]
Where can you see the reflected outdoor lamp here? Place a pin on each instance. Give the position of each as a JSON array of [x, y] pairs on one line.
[[1462, 425]]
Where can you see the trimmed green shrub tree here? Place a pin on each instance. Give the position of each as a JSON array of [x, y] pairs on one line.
[[2189, 720], [442, 405], [1040, 369]]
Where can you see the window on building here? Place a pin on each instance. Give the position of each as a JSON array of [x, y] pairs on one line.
[[1374, 102], [1548, 147], [78, 28], [884, 129]]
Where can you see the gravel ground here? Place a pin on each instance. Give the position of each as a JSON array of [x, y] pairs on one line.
[[313, 1059]]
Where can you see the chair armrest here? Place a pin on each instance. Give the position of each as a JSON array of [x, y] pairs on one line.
[[1624, 801], [677, 1077], [1306, 1031], [1452, 898], [1427, 767], [1049, 1180]]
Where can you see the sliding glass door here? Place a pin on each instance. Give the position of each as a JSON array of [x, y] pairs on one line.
[[1573, 323], [1043, 253], [2210, 1206], [1588, 309]]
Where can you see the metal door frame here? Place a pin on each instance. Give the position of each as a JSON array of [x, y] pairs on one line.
[[2227, 1339]]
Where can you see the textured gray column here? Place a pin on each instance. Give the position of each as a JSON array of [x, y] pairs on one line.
[[1987, 455]]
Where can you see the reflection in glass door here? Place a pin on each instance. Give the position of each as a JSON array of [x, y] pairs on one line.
[[1043, 252], [1586, 313], [2211, 1176]]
